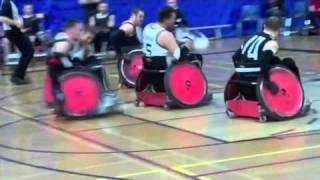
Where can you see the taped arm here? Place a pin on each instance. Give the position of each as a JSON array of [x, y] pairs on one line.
[[168, 41], [268, 57]]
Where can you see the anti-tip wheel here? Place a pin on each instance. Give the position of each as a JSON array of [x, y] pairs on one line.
[[139, 104], [230, 114], [166, 107], [263, 118]]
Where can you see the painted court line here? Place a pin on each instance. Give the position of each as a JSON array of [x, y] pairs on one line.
[[247, 157], [190, 173], [261, 166], [139, 173], [142, 160]]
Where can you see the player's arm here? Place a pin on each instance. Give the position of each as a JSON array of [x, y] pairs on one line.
[[168, 41], [127, 29], [61, 51], [62, 47], [92, 21], [118, 37], [10, 22], [270, 50], [236, 56], [112, 21]]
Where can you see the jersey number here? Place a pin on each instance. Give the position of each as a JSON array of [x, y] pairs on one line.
[[252, 47]]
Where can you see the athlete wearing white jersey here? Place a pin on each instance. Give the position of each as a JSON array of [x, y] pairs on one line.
[[151, 37], [160, 46]]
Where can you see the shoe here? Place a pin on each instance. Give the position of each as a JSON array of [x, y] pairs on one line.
[[19, 81]]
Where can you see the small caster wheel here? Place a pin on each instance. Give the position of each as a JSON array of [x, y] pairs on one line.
[[57, 109], [139, 104], [263, 118], [230, 114], [166, 107]]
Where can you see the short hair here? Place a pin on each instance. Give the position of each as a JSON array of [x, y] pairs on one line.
[[136, 11], [165, 13], [273, 23], [71, 23]]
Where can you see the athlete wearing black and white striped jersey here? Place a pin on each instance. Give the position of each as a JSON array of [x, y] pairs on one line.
[[259, 53]]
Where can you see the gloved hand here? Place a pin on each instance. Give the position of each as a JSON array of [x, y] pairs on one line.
[[185, 53], [76, 61], [273, 87]]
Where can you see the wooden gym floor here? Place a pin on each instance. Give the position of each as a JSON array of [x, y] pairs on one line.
[[153, 144]]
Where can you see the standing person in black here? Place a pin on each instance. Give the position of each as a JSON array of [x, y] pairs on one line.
[[181, 20], [103, 23], [32, 23], [11, 26]]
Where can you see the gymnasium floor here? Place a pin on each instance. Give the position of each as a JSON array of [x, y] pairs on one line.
[[153, 144]]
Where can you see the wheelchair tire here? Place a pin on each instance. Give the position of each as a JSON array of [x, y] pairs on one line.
[[186, 85], [130, 67], [82, 92], [289, 101]]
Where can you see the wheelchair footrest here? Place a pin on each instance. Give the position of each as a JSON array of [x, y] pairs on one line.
[[244, 108], [153, 99]]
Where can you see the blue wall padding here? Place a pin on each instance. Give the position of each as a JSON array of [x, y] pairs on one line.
[[198, 12]]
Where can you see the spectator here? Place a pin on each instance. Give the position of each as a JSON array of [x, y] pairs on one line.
[[181, 21], [32, 24], [103, 23], [12, 26], [314, 14]]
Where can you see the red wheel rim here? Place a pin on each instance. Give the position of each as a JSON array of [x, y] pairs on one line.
[[289, 100], [187, 84], [132, 67], [48, 90], [82, 94]]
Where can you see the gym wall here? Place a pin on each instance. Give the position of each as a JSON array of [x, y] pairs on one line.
[[198, 12]]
